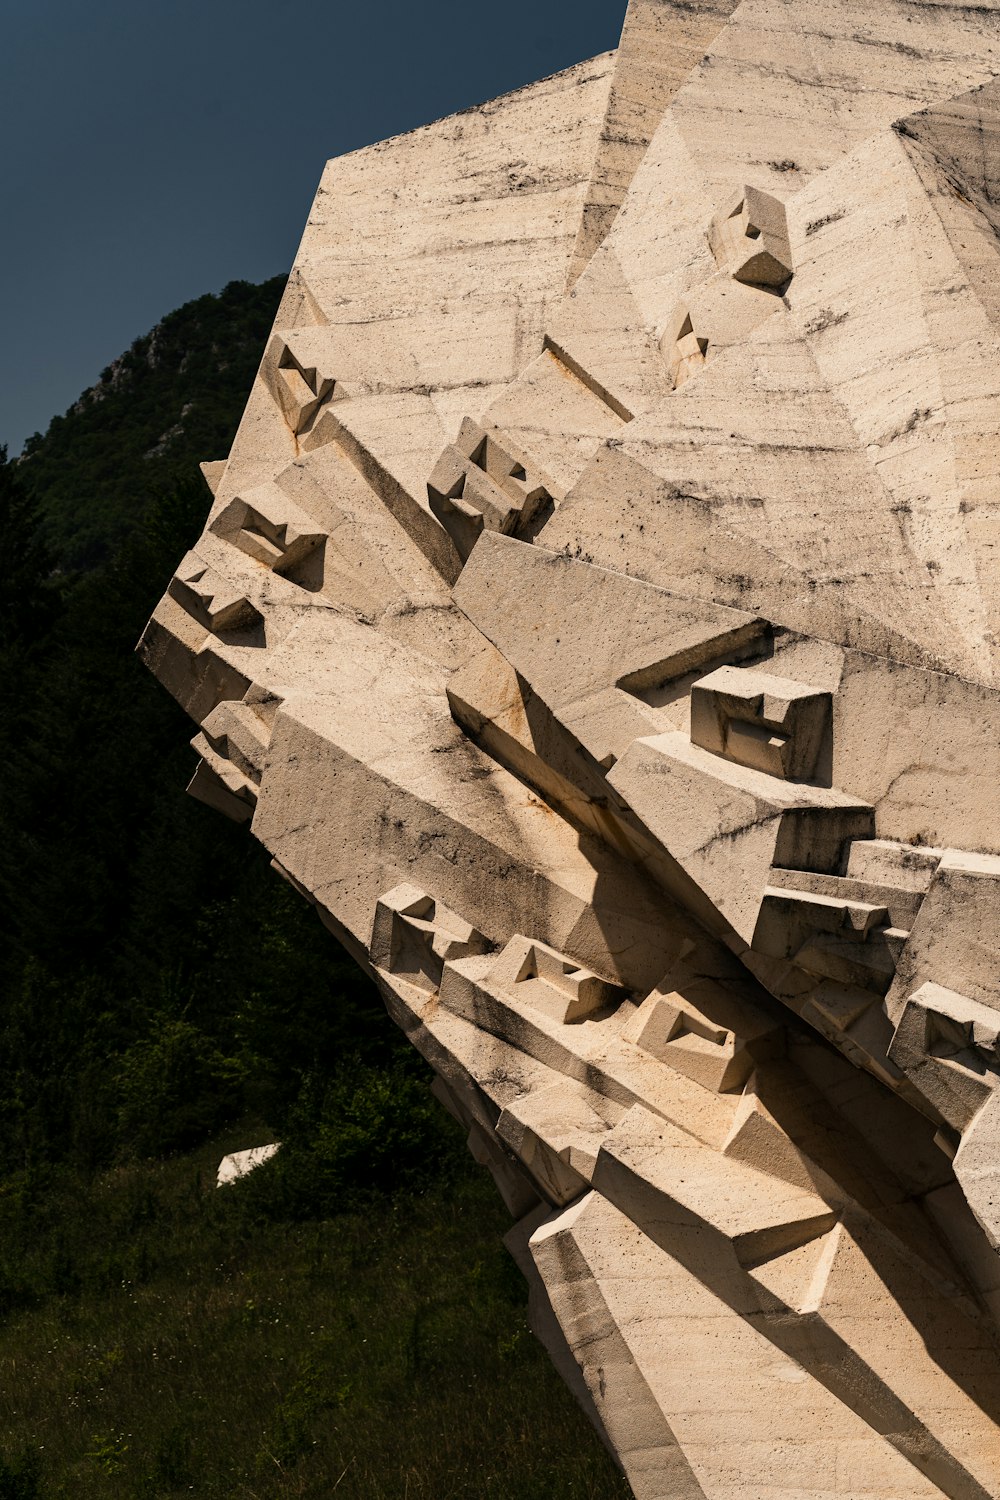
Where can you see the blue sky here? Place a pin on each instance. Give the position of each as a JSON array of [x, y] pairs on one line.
[[156, 150]]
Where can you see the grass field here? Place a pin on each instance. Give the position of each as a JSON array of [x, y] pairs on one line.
[[160, 1339]]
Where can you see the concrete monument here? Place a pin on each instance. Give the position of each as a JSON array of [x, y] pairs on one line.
[[598, 620]]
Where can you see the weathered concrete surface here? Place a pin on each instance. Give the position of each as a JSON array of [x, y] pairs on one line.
[[597, 619]]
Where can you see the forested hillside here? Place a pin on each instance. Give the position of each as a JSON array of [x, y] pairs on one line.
[[346, 1317], [171, 400]]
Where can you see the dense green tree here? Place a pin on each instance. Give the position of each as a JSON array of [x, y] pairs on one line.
[[28, 597]]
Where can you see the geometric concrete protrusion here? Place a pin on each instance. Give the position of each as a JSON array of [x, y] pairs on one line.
[[749, 239], [757, 1139], [834, 937], [414, 936], [681, 1036], [232, 744], [212, 471], [949, 1048], [756, 719], [478, 485], [683, 347], [214, 602], [724, 1221], [900, 866], [715, 1042], [220, 786], [269, 528], [242, 734], [557, 1133], [955, 936], [300, 391], [550, 982], [977, 1167], [726, 824]]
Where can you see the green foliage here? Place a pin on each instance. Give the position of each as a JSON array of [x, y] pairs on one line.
[[173, 399], [27, 598], [175, 1087], [352, 1134], [178, 1342], [20, 1475]]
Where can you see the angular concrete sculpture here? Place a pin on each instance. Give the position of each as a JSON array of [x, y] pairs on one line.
[[598, 619]]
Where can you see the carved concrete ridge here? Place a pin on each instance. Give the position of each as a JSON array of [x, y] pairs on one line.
[[598, 619]]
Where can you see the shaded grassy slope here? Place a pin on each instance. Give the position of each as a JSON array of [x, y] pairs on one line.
[[179, 1343]]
